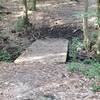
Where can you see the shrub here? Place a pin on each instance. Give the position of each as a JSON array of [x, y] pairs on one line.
[[90, 61], [73, 67], [5, 56], [95, 88], [19, 24], [10, 54], [93, 71], [14, 52], [74, 46], [90, 71]]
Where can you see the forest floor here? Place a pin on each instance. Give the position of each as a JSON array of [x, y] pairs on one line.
[[48, 81], [55, 19], [38, 81]]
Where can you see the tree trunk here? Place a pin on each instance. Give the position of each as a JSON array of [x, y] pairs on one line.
[[26, 11], [98, 20], [34, 5], [85, 27]]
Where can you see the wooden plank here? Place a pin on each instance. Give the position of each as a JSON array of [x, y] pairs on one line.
[[45, 51]]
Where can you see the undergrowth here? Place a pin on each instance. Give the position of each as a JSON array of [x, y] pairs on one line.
[[91, 71], [19, 24], [88, 67], [75, 45], [10, 54], [5, 56], [95, 87]]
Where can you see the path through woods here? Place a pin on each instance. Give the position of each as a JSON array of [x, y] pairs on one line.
[[44, 80]]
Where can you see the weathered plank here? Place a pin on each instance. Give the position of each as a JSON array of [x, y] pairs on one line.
[[50, 50]]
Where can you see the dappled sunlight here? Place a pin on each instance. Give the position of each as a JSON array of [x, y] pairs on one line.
[[21, 13], [38, 58], [44, 5], [54, 5], [92, 21]]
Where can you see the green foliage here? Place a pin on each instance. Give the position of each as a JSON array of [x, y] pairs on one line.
[[0, 17], [77, 45], [89, 14], [14, 52], [77, 67], [32, 5], [1, 13], [17, 52], [90, 71], [90, 61], [74, 66], [94, 35], [4, 56], [19, 24], [74, 46], [10, 54], [93, 71], [95, 88]]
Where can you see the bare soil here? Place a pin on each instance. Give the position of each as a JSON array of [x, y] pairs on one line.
[[40, 81]]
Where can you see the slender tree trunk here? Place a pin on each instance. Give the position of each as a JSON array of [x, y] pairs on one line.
[[85, 27], [34, 5], [98, 18], [98, 44], [26, 11]]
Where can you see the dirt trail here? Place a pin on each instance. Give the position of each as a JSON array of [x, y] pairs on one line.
[[43, 82], [43, 79]]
